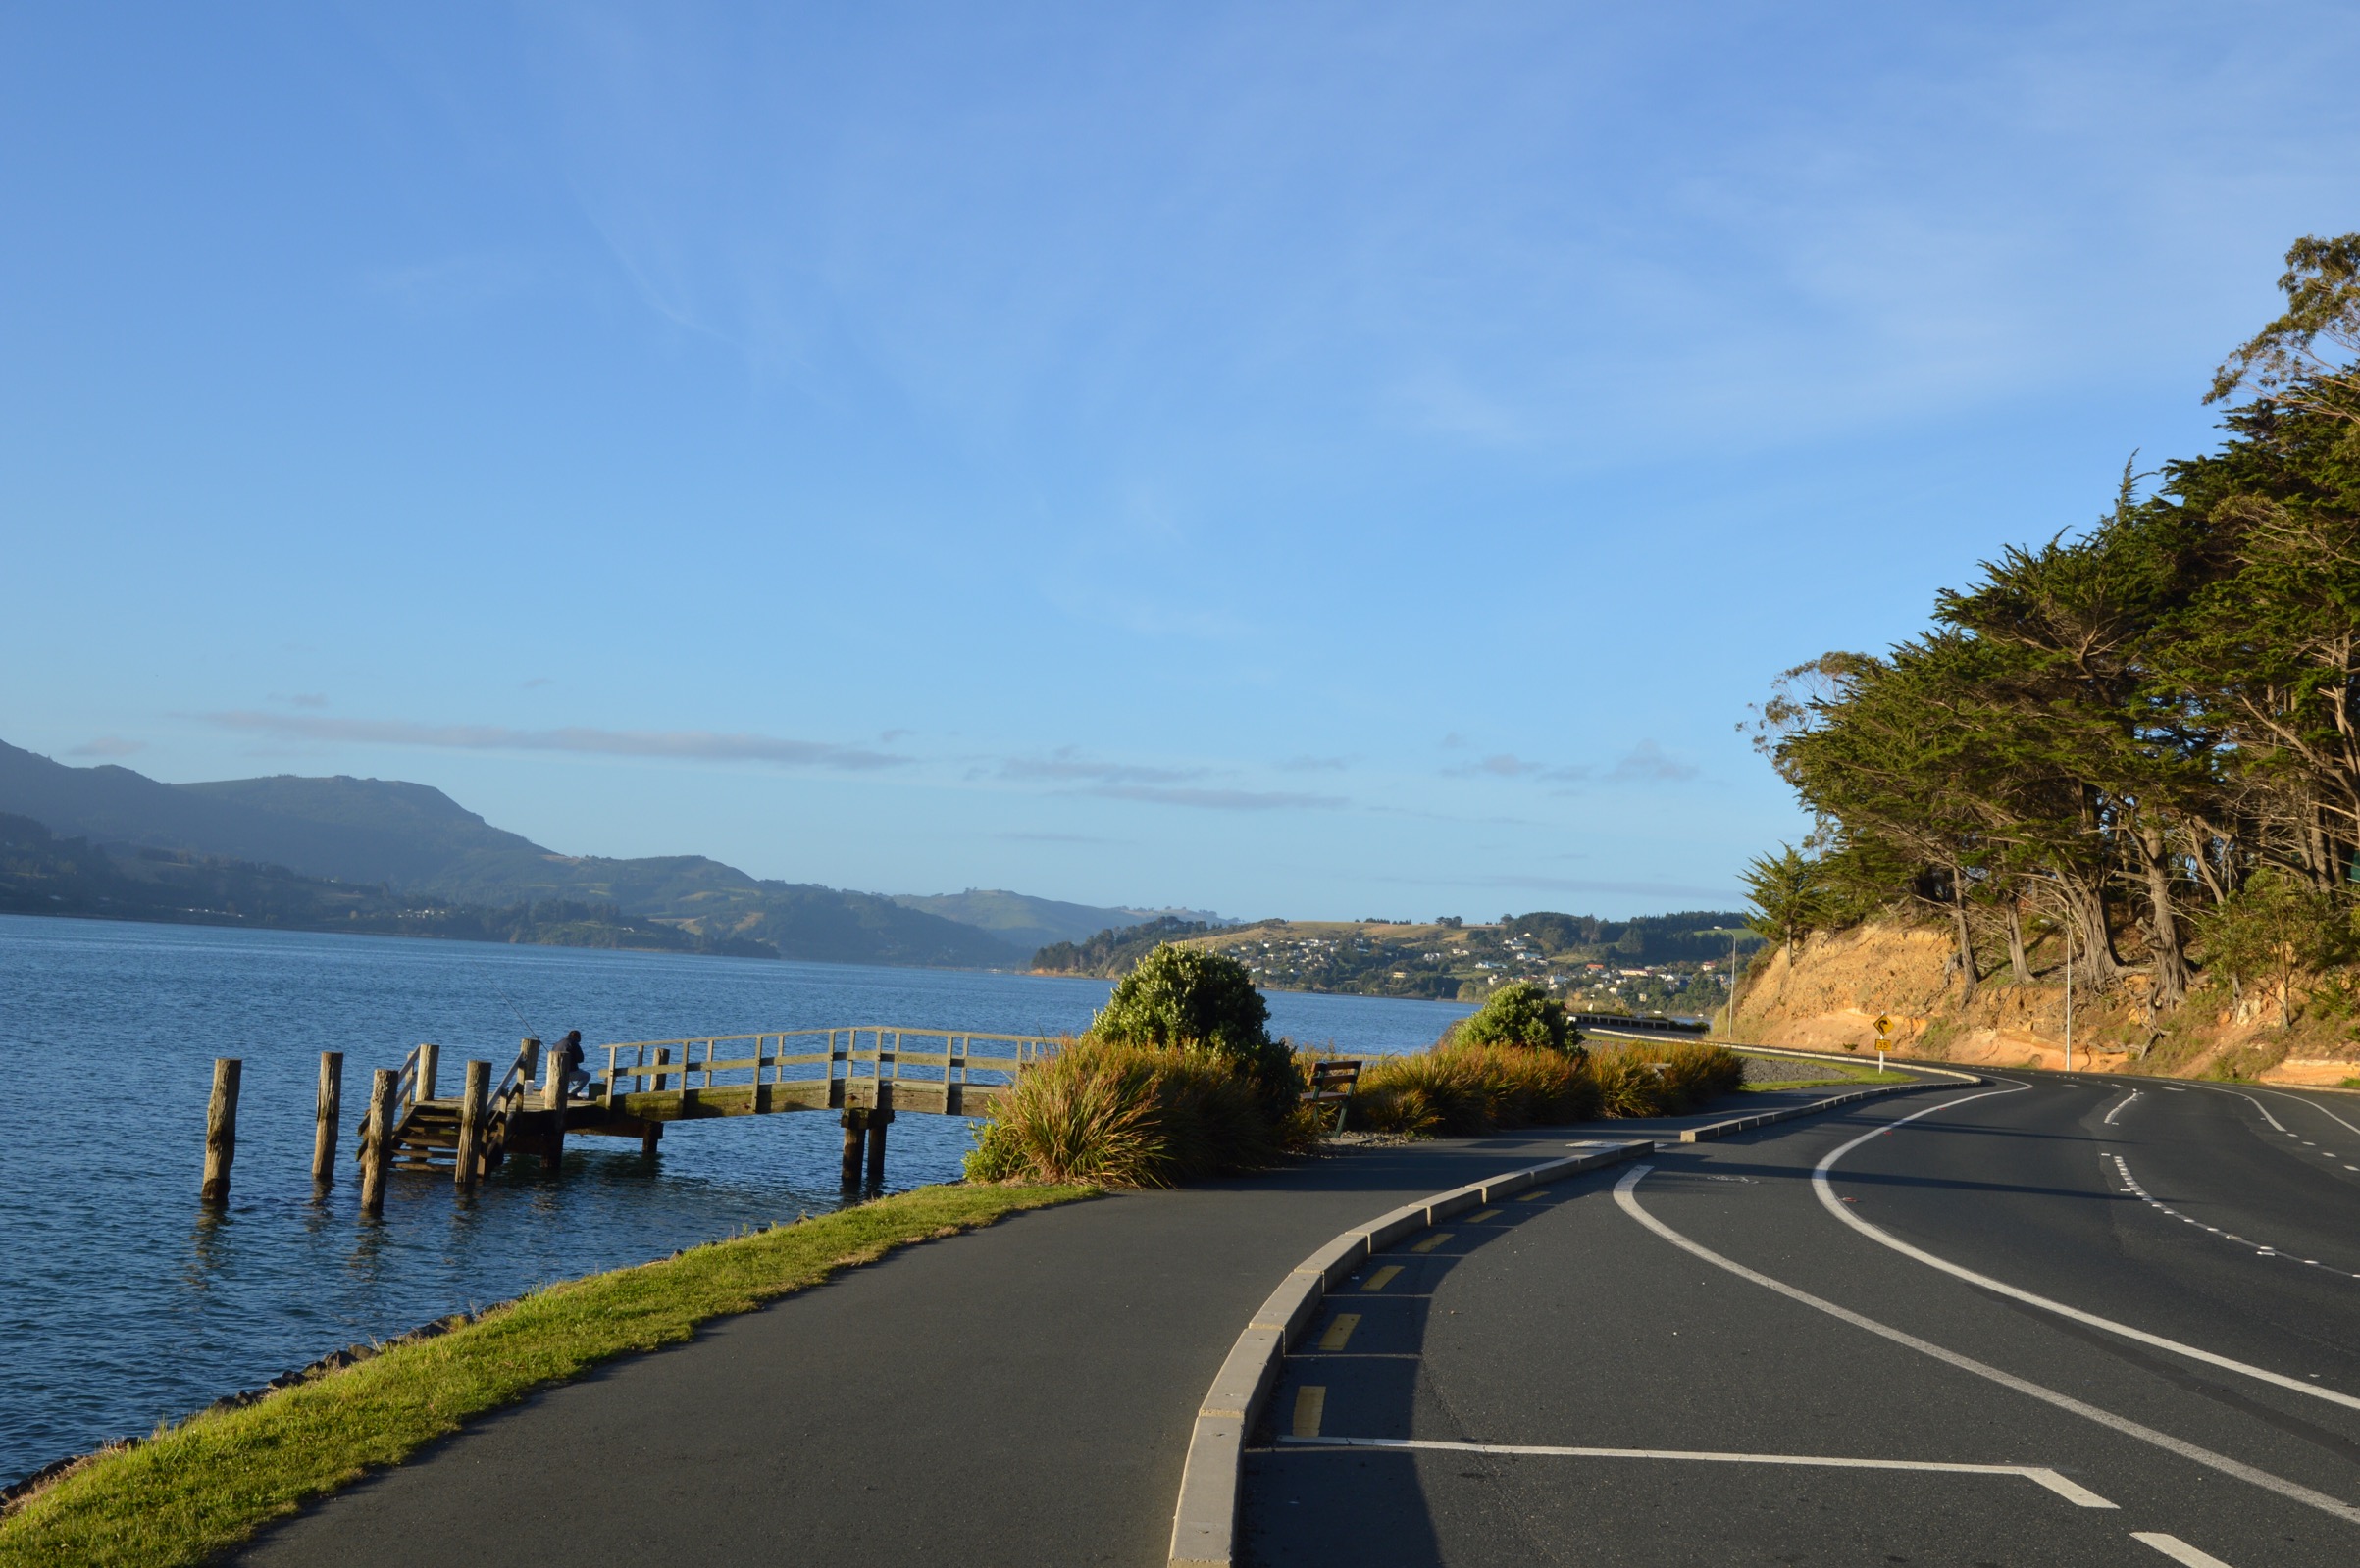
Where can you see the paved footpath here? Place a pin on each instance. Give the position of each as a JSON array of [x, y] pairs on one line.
[[1021, 1395]]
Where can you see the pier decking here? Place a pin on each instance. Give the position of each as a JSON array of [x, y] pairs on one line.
[[868, 1072]]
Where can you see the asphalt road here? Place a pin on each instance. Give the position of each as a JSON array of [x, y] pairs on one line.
[[1718, 1303], [1021, 1395]]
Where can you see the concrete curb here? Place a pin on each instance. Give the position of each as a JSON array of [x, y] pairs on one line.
[[1741, 1124], [1205, 1522]]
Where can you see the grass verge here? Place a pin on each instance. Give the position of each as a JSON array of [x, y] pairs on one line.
[[1820, 1075], [210, 1483]]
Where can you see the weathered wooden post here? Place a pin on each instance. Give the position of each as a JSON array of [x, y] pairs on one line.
[[221, 1129], [552, 1100], [663, 1056], [879, 1120], [323, 1132], [429, 1063], [649, 1137], [855, 1126], [471, 1124], [376, 1141]]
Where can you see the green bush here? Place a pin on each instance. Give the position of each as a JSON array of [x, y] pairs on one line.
[[1519, 1014], [1132, 1115], [1462, 1090], [1189, 999]]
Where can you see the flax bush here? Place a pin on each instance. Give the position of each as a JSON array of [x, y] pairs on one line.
[[1458, 1090], [1132, 1115]]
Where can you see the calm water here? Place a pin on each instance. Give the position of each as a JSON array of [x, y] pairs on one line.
[[121, 1303]]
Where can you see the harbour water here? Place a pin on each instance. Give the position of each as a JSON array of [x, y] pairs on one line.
[[124, 1303]]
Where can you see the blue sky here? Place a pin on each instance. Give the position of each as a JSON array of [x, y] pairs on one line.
[[1301, 459]]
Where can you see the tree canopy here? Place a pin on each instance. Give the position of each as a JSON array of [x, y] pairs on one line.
[[2117, 732]]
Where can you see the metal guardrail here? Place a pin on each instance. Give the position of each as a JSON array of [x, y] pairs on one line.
[[1626, 1024]]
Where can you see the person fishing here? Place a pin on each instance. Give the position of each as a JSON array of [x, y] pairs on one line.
[[569, 1062]]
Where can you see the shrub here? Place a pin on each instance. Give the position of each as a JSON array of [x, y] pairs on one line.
[[1129, 1115], [1519, 1014], [1459, 1090], [1190, 999], [1462, 1089]]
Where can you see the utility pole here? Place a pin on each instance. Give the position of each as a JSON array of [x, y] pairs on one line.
[[1728, 1028], [2069, 997]]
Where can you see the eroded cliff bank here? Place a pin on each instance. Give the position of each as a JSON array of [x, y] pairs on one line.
[[1831, 992]]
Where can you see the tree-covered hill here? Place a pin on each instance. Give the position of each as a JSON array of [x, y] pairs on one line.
[[2140, 743]]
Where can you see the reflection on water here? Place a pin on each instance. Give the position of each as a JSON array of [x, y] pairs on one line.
[[125, 1301]]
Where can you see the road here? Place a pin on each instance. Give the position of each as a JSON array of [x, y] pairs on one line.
[[1022, 1395], [2076, 1321]]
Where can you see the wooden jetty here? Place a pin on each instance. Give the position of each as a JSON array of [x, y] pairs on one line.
[[868, 1074]]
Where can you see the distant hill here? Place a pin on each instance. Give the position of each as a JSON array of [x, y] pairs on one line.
[[416, 841], [1025, 922], [1114, 952]]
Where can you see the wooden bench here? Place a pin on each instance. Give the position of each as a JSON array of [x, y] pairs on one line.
[[1333, 1084]]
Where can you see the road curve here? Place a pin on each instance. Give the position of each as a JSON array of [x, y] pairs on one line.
[[2148, 1293]]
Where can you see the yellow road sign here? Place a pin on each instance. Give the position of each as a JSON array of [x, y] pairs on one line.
[[1884, 1026]]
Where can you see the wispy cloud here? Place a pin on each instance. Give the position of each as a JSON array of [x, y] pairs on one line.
[[108, 746], [1067, 764], [1315, 765], [1648, 763], [698, 745], [1219, 800], [1506, 765], [1058, 839], [301, 699]]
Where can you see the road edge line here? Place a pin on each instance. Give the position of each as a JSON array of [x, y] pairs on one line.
[[1204, 1516]]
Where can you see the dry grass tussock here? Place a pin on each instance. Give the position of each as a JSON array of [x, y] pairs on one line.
[[1127, 1115], [1463, 1091]]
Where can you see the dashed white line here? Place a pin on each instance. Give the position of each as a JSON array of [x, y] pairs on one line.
[[1626, 1198], [2131, 1185], [2072, 1492], [2177, 1549]]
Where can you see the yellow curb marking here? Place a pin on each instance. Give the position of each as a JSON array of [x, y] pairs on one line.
[[1310, 1403], [1339, 1333], [1431, 1242], [1382, 1277], [1487, 1214]]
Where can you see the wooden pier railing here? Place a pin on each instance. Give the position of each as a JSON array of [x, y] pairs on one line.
[[868, 1066]]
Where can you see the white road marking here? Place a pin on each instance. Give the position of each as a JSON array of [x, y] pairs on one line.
[[2119, 1109], [2321, 1109], [2255, 1103], [2177, 1549], [1625, 1196], [2079, 1495], [2131, 1185], [1828, 1202]]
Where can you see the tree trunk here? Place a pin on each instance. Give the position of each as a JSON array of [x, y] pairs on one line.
[[2101, 967], [2019, 967], [1958, 915], [2170, 964]]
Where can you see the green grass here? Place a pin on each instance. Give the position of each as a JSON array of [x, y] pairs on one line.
[[200, 1487], [1826, 1075]]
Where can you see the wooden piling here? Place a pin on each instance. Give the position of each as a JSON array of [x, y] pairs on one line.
[[663, 1055], [377, 1142], [471, 1124], [324, 1131], [552, 1097], [429, 1062], [855, 1128], [221, 1129], [649, 1137], [878, 1122]]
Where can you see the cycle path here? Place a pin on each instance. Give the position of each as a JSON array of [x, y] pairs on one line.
[[1018, 1395]]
